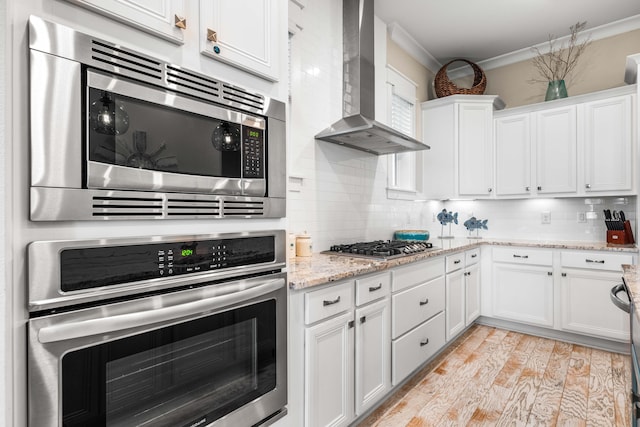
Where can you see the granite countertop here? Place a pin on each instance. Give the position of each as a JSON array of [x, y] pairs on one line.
[[306, 272]]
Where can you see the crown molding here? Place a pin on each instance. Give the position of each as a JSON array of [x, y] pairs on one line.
[[403, 39], [411, 46]]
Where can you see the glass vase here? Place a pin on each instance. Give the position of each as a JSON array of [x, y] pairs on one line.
[[556, 90]]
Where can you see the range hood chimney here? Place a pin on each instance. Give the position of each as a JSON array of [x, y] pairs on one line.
[[358, 129]]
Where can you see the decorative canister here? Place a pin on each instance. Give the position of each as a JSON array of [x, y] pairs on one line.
[[304, 246]]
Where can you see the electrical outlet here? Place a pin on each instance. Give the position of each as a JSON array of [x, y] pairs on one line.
[[582, 217], [546, 217]]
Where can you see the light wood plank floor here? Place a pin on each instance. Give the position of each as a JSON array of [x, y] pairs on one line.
[[494, 377]]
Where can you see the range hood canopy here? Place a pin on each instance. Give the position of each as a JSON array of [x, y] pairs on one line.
[[358, 129]]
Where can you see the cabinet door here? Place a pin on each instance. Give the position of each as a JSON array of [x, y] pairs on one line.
[[329, 374], [608, 153], [523, 293], [587, 308], [475, 149], [158, 17], [373, 354], [513, 155], [556, 143], [243, 33], [472, 293], [455, 310]]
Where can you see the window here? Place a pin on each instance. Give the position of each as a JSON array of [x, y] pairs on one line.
[[402, 116]]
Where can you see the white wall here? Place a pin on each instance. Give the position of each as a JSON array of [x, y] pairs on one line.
[[342, 195]]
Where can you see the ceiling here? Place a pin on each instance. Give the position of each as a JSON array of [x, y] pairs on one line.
[[480, 30]]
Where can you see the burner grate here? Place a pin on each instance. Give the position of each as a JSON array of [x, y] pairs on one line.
[[380, 248]]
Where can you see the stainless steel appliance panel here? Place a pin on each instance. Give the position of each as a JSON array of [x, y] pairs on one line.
[[45, 276], [53, 336]]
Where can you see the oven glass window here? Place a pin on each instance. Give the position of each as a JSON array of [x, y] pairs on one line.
[[194, 371], [128, 132]]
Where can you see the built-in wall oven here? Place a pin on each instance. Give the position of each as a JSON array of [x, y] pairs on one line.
[[162, 331], [118, 134]]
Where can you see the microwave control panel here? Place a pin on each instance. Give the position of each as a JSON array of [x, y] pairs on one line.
[[253, 152]]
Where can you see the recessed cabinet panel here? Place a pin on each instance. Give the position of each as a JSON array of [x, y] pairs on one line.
[[157, 17], [556, 146], [472, 300], [523, 293], [475, 149], [243, 33], [608, 144], [455, 296], [513, 155]]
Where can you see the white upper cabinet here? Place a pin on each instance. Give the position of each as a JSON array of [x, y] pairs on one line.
[[243, 33], [459, 130], [577, 146], [608, 163], [513, 155], [164, 18], [556, 148]]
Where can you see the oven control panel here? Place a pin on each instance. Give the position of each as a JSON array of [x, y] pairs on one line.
[[92, 267], [253, 152]]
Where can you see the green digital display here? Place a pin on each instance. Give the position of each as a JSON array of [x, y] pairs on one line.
[[187, 252], [254, 134]]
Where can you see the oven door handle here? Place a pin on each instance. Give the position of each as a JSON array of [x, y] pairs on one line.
[[106, 325], [622, 305]]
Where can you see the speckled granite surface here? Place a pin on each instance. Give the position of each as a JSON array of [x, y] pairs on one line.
[[320, 268]]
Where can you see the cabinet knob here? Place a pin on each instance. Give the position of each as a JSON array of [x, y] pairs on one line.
[[587, 186], [527, 188], [180, 22], [363, 319], [212, 36], [564, 274], [490, 190], [549, 273], [539, 188]]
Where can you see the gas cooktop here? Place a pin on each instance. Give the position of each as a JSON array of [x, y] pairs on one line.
[[380, 249]]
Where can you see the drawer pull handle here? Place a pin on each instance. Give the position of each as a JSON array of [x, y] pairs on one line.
[[595, 261], [549, 273], [335, 301], [456, 261], [564, 274], [425, 302], [474, 255], [424, 342], [375, 288], [521, 256]]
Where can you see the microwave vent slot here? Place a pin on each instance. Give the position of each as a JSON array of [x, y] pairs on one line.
[[192, 208], [193, 83], [134, 207], [243, 208], [126, 62], [236, 95]]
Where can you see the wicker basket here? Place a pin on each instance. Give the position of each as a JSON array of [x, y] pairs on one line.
[[445, 87]]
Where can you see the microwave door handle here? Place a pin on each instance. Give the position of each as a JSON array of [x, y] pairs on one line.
[[106, 325], [622, 305]]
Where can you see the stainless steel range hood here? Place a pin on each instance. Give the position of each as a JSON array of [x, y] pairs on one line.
[[358, 129]]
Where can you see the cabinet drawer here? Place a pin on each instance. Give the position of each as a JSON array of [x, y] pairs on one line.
[[372, 288], [414, 274], [327, 302], [523, 256], [595, 260], [455, 262], [472, 256], [413, 306], [416, 347]]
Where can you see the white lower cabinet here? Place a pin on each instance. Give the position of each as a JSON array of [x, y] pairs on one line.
[[418, 318], [462, 291], [373, 354], [347, 350], [455, 309], [521, 291], [587, 279], [329, 372], [472, 293]]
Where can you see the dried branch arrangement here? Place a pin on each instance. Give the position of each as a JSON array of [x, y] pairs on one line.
[[560, 60]]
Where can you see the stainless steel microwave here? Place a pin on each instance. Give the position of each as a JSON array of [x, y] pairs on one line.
[[117, 134]]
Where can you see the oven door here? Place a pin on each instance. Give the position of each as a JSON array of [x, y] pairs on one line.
[[211, 355]]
